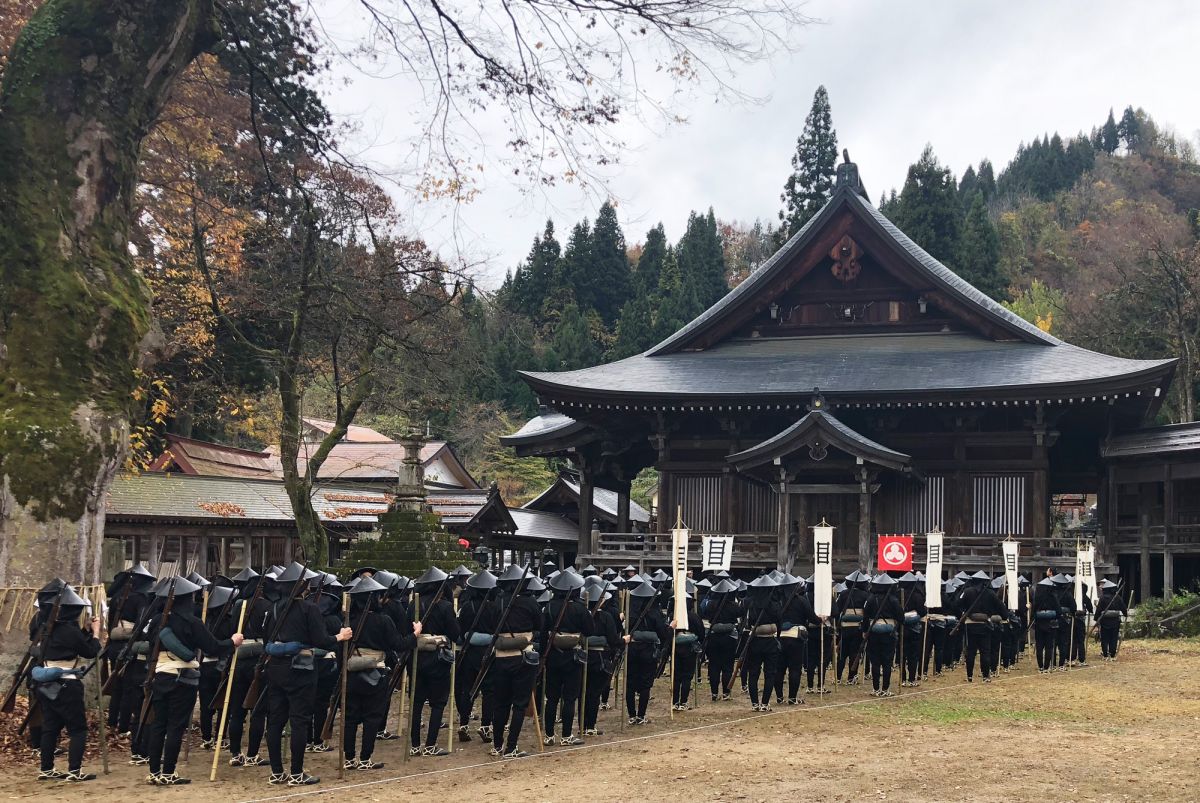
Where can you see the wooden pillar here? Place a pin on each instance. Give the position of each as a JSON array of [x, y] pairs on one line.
[[728, 521], [1144, 543], [586, 486], [1168, 505], [287, 550], [623, 510], [152, 560], [247, 551], [1168, 573], [864, 528], [666, 506], [800, 513], [782, 513]]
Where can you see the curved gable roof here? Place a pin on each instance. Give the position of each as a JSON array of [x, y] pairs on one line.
[[844, 197], [818, 426]]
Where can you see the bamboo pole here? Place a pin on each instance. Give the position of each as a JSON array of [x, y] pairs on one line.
[[342, 689], [453, 672], [412, 683], [228, 693]]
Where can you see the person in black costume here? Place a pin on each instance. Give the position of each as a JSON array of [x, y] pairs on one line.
[[848, 613], [979, 604], [762, 653], [795, 616], [649, 631], [602, 647], [561, 650], [254, 633], [300, 638], [724, 613], [58, 682], [687, 646], [1111, 609], [432, 680], [1045, 624], [182, 637], [478, 615], [513, 668], [222, 623], [882, 616]]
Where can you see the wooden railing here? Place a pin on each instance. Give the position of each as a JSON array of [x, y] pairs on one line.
[[1159, 535], [748, 548], [761, 549]]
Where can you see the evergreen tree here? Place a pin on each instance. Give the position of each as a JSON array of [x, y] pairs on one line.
[[987, 179], [814, 166], [677, 300], [701, 259], [979, 251], [649, 265], [573, 345], [635, 330], [571, 277], [607, 285], [928, 210], [534, 280], [1130, 129], [1110, 136], [968, 185]]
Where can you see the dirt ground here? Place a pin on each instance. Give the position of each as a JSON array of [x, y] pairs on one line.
[[1110, 732]]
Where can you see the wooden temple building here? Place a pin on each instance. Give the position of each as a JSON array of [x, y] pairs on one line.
[[855, 379]]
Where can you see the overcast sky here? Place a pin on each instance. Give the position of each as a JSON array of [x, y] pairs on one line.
[[972, 78]]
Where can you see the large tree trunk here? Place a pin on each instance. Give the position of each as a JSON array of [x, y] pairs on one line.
[[83, 86]]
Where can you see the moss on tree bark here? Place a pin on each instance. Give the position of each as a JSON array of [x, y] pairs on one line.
[[84, 84]]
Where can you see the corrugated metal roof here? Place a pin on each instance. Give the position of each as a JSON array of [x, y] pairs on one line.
[[1154, 440], [354, 433]]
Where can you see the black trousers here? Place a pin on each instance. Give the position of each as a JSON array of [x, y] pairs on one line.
[[469, 667], [881, 654], [66, 712], [935, 648], [291, 696], [118, 689], [210, 707], [564, 679], [793, 655], [1009, 640], [172, 701], [1063, 637], [996, 642], [433, 687], [1109, 639], [954, 644], [238, 713], [512, 686], [328, 674], [685, 672], [598, 683], [132, 694], [1079, 645], [365, 708], [722, 653], [910, 672], [978, 641], [762, 658], [641, 663], [816, 657], [1045, 637], [848, 649]]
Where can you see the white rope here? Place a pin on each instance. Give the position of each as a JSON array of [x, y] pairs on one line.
[[631, 739]]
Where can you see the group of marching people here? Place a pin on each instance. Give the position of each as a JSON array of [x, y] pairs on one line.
[[264, 653]]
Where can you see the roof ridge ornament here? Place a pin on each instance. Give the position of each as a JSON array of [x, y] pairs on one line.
[[847, 175]]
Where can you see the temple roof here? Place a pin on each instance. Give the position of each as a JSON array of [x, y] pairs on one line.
[[937, 274], [988, 350], [1153, 441], [818, 430], [604, 501], [901, 364]]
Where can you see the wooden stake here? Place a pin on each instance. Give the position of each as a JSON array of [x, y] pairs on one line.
[[453, 671], [412, 683], [342, 689], [212, 776]]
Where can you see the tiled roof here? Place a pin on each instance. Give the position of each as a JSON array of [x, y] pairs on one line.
[[603, 500], [910, 363], [232, 500], [539, 525], [829, 432], [1154, 440], [354, 433]]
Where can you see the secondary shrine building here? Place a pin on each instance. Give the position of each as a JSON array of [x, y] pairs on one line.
[[851, 378]]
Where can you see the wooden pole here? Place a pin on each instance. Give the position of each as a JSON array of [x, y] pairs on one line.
[[101, 718], [342, 689], [821, 660], [412, 682], [674, 638], [228, 693], [453, 671]]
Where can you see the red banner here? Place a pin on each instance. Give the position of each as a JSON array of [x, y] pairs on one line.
[[895, 553]]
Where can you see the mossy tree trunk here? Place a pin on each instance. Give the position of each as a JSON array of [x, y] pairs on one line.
[[81, 90]]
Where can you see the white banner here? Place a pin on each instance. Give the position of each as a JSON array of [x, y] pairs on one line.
[[718, 553], [1085, 574], [679, 558], [823, 570], [933, 568], [1011, 551]]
